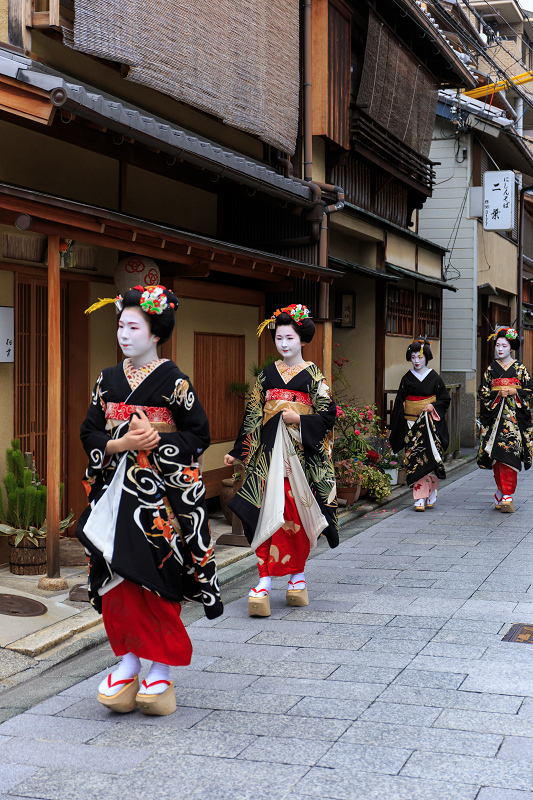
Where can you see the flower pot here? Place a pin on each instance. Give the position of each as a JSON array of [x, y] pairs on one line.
[[350, 495], [363, 492], [393, 472], [402, 476], [228, 490], [27, 558]]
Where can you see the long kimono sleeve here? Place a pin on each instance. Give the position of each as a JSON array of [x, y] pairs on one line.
[[397, 425], [315, 427], [525, 390], [443, 398], [488, 396], [248, 437], [192, 435]]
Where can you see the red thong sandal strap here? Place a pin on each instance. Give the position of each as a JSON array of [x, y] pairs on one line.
[[296, 584], [154, 683], [111, 684], [260, 592]]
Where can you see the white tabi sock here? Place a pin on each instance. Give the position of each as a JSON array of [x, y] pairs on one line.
[[264, 584], [158, 672], [420, 502], [129, 667], [432, 497], [297, 581]]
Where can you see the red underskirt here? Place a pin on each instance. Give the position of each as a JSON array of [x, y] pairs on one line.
[[140, 622], [505, 477], [287, 550]]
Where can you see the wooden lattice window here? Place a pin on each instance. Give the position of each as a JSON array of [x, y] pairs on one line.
[[31, 374], [219, 360], [400, 311], [429, 313]]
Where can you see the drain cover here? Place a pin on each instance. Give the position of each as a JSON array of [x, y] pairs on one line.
[[14, 606], [519, 633]]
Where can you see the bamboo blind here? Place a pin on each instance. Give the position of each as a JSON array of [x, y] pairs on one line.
[[237, 61], [396, 89]]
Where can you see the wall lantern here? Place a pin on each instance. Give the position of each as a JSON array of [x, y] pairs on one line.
[[136, 270]]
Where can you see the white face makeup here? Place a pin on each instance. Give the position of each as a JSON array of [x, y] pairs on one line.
[[288, 344], [135, 338], [418, 361], [503, 348]]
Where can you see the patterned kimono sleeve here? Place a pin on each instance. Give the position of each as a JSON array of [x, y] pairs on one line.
[[486, 394], [93, 434], [525, 390], [249, 435], [192, 437], [316, 427]]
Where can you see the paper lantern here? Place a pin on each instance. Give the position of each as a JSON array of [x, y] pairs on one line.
[[136, 271]]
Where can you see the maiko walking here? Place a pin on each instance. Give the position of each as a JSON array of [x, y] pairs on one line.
[[506, 440]]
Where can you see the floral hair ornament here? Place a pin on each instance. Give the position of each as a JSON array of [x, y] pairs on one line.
[[104, 301], [510, 334], [297, 311], [153, 299]]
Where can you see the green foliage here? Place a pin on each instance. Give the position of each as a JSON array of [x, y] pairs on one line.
[[243, 389], [24, 511]]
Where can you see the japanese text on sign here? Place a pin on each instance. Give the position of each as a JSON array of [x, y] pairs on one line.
[[499, 200], [7, 334]]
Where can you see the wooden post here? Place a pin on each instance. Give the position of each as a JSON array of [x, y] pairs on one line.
[[53, 580]]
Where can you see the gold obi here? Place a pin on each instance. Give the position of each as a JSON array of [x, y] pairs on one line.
[[414, 407], [279, 399]]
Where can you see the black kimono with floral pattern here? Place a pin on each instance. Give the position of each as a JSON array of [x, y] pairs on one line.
[[419, 460], [505, 421], [162, 539], [255, 442]]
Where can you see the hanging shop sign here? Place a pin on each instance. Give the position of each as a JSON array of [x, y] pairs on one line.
[[7, 334], [499, 200]]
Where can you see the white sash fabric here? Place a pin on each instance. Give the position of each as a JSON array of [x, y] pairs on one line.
[[101, 525], [285, 462]]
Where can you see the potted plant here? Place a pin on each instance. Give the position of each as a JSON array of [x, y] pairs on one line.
[[375, 481], [23, 516], [229, 488], [348, 478]]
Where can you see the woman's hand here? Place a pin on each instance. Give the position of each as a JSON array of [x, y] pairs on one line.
[[508, 391], [140, 436], [290, 417], [228, 460], [429, 408]]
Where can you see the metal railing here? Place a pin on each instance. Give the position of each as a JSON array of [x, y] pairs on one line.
[[453, 417]]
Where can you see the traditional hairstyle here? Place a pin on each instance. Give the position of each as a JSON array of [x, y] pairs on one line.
[[420, 345], [510, 334], [305, 329], [159, 306]]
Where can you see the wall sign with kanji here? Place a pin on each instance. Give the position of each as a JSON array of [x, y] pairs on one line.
[[7, 334], [499, 200]]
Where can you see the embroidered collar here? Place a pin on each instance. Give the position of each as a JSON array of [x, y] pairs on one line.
[[136, 375], [288, 373], [506, 366]]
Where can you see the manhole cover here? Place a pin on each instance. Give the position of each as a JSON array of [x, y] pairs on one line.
[[519, 633], [14, 606]]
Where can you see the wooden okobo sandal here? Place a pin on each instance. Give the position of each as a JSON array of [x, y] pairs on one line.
[[259, 603], [124, 700], [297, 597], [159, 705], [507, 505]]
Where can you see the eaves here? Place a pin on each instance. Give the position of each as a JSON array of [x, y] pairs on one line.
[[157, 133]]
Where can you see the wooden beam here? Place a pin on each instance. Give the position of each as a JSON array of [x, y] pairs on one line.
[[25, 101], [18, 23], [320, 67], [53, 455]]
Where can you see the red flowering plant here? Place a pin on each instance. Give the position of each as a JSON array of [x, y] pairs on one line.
[[356, 430]]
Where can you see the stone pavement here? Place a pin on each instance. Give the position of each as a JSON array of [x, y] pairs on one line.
[[393, 684]]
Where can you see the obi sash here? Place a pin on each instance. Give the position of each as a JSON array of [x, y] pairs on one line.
[[414, 406], [278, 399], [291, 397], [497, 382], [160, 419]]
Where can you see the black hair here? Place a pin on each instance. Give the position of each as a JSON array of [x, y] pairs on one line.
[[161, 325], [415, 346], [305, 331], [515, 341]]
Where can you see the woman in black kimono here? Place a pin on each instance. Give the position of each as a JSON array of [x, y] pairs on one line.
[[289, 495], [418, 424], [146, 526], [506, 434]]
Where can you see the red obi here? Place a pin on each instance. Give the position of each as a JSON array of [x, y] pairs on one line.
[[123, 412], [415, 397], [290, 397], [504, 382]]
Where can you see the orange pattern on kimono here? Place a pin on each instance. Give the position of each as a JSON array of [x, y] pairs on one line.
[[287, 550]]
